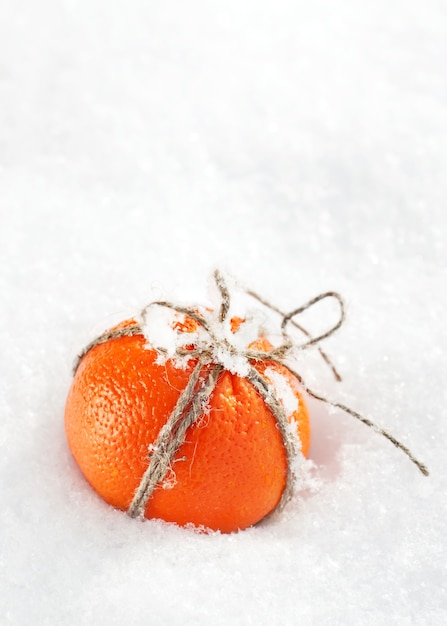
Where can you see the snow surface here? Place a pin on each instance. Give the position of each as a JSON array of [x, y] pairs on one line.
[[300, 146]]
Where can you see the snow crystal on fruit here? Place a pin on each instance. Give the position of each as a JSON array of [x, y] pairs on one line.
[[283, 391]]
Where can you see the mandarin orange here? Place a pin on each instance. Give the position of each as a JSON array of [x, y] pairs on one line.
[[229, 473]]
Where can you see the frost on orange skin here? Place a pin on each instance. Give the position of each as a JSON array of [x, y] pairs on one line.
[[229, 473]]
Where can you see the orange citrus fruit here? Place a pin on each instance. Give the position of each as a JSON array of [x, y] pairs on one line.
[[231, 470]]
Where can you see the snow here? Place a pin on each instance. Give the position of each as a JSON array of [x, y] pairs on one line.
[[299, 146], [283, 390]]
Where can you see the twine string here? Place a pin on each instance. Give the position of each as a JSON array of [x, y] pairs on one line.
[[194, 399], [271, 400], [128, 331], [314, 340], [224, 294], [172, 435], [378, 429], [300, 327]]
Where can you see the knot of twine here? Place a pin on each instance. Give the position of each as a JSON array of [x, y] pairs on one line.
[[215, 354]]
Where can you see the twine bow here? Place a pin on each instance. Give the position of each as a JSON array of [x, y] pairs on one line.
[[216, 353]]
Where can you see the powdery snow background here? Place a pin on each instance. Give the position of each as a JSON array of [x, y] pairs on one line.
[[298, 145]]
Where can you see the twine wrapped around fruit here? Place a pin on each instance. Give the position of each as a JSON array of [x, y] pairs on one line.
[[213, 353]]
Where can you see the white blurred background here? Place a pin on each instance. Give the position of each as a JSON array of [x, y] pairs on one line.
[[300, 146]]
